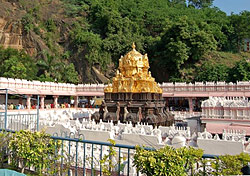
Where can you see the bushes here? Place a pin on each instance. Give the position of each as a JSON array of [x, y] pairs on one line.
[[38, 150], [187, 161], [33, 149], [4, 142], [230, 165], [166, 161]]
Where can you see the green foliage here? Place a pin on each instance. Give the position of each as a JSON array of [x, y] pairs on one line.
[[230, 165], [70, 75], [107, 162], [15, 64], [27, 22], [91, 44], [34, 149], [50, 25], [175, 33], [53, 68], [184, 40], [240, 29], [212, 72], [200, 3], [4, 142], [240, 72], [166, 161]]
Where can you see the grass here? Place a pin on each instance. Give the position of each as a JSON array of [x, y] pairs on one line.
[[226, 58]]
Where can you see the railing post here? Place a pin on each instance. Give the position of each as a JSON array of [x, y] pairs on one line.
[[6, 109], [37, 121]]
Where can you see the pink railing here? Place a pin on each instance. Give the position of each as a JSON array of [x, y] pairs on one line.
[[17, 84]]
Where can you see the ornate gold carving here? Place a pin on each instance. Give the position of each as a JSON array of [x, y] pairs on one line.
[[133, 75]]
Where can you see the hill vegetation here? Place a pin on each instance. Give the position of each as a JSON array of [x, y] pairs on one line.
[[185, 41]]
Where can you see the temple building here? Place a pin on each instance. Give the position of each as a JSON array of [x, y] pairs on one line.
[[230, 113], [134, 95]]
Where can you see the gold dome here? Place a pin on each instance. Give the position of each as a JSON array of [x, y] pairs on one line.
[[133, 75]]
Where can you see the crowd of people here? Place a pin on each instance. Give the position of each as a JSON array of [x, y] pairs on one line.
[[81, 104], [12, 106]]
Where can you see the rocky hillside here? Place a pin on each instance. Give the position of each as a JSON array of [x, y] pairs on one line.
[[25, 25]]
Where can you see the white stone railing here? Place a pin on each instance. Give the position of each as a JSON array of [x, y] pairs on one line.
[[167, 87], [205, 87], [182, 115], [10, 83]]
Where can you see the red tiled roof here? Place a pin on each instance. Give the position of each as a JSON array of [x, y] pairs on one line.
[[218, 128]]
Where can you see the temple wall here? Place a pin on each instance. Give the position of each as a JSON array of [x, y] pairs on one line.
[[198, 89], [220, 147]]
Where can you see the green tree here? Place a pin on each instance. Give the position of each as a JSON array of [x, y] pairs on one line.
[[17, 64], [201, 3], [240, 72], [212, 72], [241, 28], [184, 40], [13, 68], [70, 75]]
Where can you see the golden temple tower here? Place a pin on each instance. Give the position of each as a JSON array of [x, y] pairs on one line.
[[133, 95], [133, 75]]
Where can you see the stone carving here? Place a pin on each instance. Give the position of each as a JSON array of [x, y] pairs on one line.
[[226, 108]]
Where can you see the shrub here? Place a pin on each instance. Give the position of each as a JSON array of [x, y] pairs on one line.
[[4, 141], [34, 149], [230, 164], [166, 161]]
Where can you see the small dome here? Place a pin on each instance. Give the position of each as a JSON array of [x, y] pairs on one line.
[[179, 141], [133, 53]]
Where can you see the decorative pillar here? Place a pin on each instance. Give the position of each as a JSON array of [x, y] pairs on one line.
[[167, 103], [190, 103], [42, 101], [55, 100], [28, 104], [76, 102]]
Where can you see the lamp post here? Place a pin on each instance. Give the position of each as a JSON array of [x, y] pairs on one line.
[[37, 127], [6, 107]]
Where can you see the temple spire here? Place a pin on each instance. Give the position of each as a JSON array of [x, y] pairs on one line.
[[132, 75], [133, 45]]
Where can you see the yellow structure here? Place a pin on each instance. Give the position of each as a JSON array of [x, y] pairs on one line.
[[133, 75]]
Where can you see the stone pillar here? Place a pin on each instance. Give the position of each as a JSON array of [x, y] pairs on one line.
[[167, 103], [190, 103], [28, 103], [76, 102], [55, 100], [42, 101]]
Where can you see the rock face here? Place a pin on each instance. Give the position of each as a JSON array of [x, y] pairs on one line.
[[10, 34], [16, 16]]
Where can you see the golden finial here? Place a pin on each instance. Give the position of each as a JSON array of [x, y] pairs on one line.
[[133, 45]]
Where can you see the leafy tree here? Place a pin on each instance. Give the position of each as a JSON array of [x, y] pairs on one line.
[[15, 64], [184, 40], [241, 28], [49, 67], [13, 68], [240, 72], [70, 75], [54, 69], [212, 72]]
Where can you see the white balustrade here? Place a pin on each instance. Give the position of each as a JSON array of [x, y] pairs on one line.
[[168, 87]]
